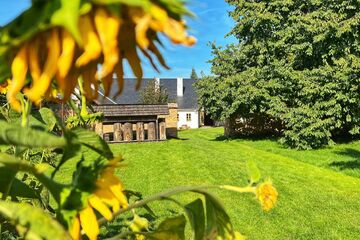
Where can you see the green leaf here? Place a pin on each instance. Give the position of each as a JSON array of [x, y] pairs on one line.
[[7, 176], [67, 16], [171, 228], [218, 221], [78, 141], [93, 141], [16, 164], [48, 116], [253, 171], [196, 214], [18, 188], [32, 222], [13, 134]]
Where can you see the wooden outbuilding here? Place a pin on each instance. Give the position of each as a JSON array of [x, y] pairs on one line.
[[136, 122]]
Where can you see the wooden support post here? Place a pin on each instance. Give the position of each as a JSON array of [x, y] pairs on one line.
[[128, 132], [140, 132], [151, 131], [107, 137], [162, 128], [118, 134]]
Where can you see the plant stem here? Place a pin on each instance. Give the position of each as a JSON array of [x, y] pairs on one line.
[[84, 111], [25, 113], [166, 194]]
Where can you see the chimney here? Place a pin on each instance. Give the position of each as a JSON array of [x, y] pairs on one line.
[[157, 84], [180, 87]]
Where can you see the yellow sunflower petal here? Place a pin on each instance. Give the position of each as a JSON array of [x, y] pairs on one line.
[[119, 194], [39, 88], [109, 181], [67, 56], [108, 27], [19, 69], [108, 178], [89, 223], [190, 41], [34, 61], [92, 46], [97, 204], [141, 31], [158, 13], [108, 197], [75, 229], [175, 31]]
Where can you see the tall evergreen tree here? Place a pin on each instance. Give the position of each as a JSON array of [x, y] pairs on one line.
[[296, 63], [154, 93], [193, 74]]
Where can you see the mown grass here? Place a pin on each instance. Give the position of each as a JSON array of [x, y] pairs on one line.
[[319, 190]]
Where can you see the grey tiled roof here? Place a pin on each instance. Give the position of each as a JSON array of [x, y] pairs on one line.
[[121, 110], [131, 96]]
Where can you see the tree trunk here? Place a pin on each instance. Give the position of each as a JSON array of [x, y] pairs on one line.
[[140, 134], [128, 133], [118, 134], [151, 131], [162, 127], [107, 137]]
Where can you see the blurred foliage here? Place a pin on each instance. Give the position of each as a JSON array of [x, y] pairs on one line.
[[87, 121]]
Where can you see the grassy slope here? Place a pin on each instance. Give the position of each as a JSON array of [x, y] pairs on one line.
[[315, 202], [343, 158]]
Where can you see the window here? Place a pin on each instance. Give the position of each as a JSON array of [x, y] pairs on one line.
[[178, 117], [188, 117]]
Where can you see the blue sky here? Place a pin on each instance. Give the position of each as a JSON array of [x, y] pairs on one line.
[[211, 24]]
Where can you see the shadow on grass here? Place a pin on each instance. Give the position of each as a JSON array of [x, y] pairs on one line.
[[179, 139], [354, 163], [221, 138]]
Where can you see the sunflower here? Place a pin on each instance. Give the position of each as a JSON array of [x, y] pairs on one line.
[[267, 195], [107, 199], [108, 38]]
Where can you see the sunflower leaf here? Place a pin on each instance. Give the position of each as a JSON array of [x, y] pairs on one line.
[[32, 222], [12, 134]]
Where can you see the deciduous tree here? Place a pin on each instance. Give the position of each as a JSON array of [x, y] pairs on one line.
[[296, 63]]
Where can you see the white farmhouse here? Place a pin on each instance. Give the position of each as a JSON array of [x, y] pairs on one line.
[[180, 90], [188, 110]]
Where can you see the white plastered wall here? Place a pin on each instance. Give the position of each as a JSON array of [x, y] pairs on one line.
[[194, 123]]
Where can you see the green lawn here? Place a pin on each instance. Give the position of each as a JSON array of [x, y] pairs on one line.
[[319, 190]]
